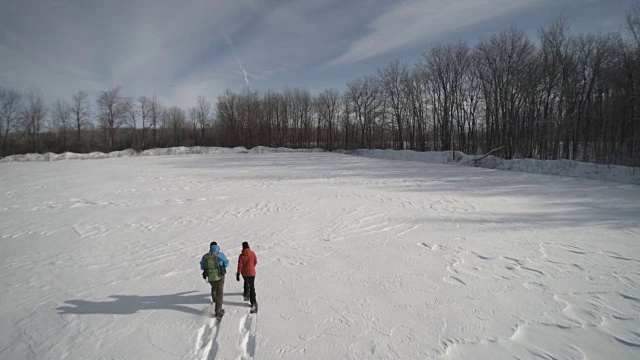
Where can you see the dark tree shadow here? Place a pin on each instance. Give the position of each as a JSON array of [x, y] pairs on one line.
[[131, 304]]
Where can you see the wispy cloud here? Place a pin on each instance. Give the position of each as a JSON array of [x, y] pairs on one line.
[[146, 46], [178, 50], [412, 21]]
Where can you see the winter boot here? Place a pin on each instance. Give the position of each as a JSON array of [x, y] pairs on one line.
[[220, 314], [254, 308]]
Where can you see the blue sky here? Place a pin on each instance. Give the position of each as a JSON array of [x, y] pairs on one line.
[[178, 50]]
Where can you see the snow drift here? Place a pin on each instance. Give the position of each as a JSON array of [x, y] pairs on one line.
[[615, 173], [180, 150]]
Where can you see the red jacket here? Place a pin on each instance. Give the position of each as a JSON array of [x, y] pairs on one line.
[[247, 263]]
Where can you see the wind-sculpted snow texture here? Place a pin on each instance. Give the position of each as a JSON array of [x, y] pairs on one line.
[[359, 258]]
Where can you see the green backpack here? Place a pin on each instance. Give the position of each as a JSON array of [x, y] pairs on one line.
[[212, 267]]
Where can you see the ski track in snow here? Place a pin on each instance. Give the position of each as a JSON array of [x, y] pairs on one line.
[[207, 339], [358, 258], [247, 342]]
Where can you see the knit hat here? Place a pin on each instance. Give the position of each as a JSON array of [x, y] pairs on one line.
[[245, 245], [213, 243]]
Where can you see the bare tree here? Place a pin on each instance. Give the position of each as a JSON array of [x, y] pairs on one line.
[[554, 63], [132, 113], [155, 111], [9, 115], [632, 63], [112, 108], [177, 120], [304, 107], [363, 93], [203, 117], [446, 66], [391, 83], [62, 121], [193, 121], [248, 109], [504, 64], [299, 104], [33, 118], [270, 101], [227, 112], [165, 124], [145, 107], [81, 111], [327, 106], [346, 125], [416, 90]]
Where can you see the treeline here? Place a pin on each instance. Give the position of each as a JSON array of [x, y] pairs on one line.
[[116, 122], [557, 96]]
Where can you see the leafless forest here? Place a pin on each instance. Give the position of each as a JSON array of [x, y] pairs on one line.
[[557, 96]]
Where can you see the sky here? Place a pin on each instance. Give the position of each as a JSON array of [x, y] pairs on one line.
[[179, 50]]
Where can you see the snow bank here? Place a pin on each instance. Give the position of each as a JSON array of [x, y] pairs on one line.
[[616, 173], [118, 154], [433, 157], [181, 150], [263, 149]]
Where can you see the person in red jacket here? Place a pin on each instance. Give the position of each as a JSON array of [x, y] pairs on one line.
[[247, 268]]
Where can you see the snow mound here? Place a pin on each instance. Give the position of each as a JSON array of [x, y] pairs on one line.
[[570, 168], [64, 156], [264, 149], [240, 150], [180, 150], [616, 173], [183, 150], [25, 157], [123, 153], [433, 157], [95, 155]]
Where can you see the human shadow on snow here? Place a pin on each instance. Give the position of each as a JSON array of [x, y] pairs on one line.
[[131, 304]]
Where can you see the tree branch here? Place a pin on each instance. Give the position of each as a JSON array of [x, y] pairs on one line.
[[484, 156]]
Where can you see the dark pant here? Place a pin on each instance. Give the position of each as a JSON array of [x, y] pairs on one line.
[[217, 293], [250, 288]]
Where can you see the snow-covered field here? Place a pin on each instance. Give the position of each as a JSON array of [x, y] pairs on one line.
[[359, 258], [584, 170]]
